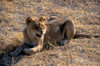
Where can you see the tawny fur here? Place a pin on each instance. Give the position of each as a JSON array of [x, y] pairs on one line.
[[33, 36], [60, 31]]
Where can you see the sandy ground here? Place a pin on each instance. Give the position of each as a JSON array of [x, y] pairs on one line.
[[79, 52]]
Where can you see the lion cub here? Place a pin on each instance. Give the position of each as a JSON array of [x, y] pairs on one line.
[[38, 32], [33, 36]]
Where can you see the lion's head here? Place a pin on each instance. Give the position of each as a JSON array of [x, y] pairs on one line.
[[36, 26]]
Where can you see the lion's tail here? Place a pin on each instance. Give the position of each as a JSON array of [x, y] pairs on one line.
[[85, 36]]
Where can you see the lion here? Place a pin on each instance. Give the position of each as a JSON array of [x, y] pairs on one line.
[[33, 36], [38, 32]]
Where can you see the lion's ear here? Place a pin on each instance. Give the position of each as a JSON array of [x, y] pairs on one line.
[[28, 20], [42, 19]]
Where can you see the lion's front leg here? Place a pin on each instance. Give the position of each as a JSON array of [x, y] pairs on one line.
[[33, 50], [17, 51]]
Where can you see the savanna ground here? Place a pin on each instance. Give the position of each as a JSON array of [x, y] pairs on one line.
[[79, 52]]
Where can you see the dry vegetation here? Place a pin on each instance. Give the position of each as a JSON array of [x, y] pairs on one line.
[[79, 52]]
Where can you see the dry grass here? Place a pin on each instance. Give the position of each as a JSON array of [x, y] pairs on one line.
[[79, 52]]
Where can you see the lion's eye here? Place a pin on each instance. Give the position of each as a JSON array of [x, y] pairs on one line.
[[36, 27]]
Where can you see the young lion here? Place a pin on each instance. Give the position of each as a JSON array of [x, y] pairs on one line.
[[33, 36], [59, 30]]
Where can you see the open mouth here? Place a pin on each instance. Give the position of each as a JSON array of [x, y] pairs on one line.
[[38, 35]]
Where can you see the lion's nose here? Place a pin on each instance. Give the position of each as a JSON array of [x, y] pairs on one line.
[[41, 31]]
